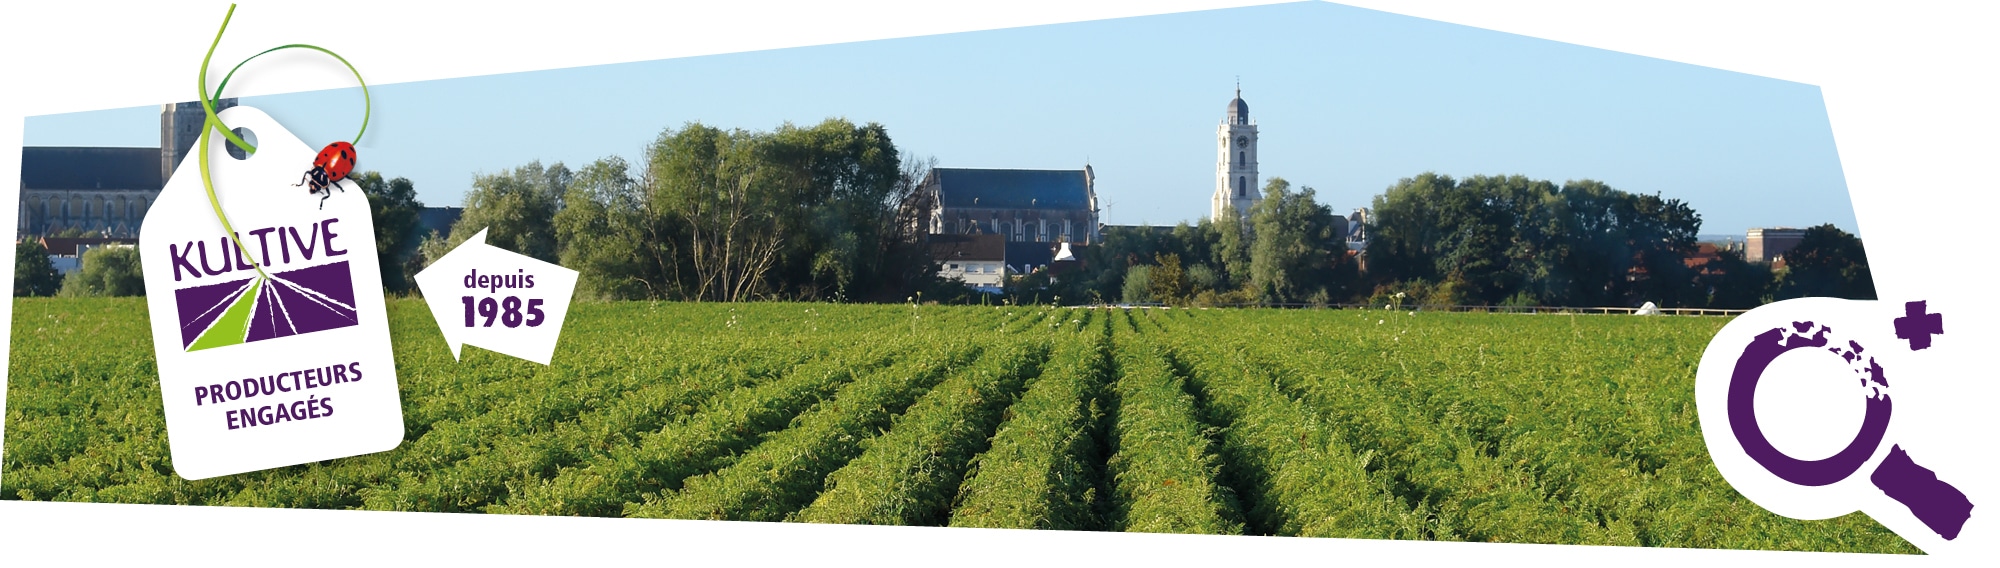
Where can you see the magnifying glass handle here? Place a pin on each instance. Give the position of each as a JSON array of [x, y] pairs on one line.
[[1939, 505]]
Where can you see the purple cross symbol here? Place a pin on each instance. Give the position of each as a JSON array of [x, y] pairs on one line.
[[1917, 326]]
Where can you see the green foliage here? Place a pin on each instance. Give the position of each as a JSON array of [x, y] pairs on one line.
[[788, 469], [107, 271], [909, 475], [1827, 262], [1165, 282], [34, 274], [684, 448], [1298, 254], [393, 206], [819, 212], [74, 232], [1731, 282], [1042, 472], [1581, 244], [516, 209], [1344, 423], [608, 239], [1164, 474], [1138, 288]]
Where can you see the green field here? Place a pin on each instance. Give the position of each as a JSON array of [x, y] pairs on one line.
[[1333, 423]]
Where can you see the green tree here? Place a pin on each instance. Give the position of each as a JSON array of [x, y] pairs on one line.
[[34, 274], [1230, 249], [516, 209], [1297, 254], [1731, 282], [844, 182], [730, 207], [1201, 278], [1827, 262], [606, 235], [1165, 282], [107, 271], [393, 206], [1138, 287], [1511, 239]]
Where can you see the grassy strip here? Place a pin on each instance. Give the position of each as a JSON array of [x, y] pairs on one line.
[[1165, 472], [784, 472], [910, 475], [1040, 472]]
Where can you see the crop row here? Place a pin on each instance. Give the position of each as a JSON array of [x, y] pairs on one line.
[[1042, 470], [786, 469], [1491, 436], [1164, 471], [1341, 423]]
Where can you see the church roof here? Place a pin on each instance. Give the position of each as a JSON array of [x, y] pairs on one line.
[[1239, 111], [1012, 189], [63, 167], [1025, 256], [948, 247]]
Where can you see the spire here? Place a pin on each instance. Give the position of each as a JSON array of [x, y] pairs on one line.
[[1237, 112]]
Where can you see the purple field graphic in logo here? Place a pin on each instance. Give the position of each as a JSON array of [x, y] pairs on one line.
[[300, 301]]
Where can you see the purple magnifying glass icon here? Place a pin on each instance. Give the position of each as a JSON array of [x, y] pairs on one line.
[[1941, 507]]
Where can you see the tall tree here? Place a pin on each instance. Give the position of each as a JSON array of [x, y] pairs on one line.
[[730, 204], [1827, 262], [1297, 250], [845, 181], [516, 209], [1512, 239], [393, 206], [605, 233], [107, 271], [1166, 283], [1731, 282], [34, 274], [1231, 249]]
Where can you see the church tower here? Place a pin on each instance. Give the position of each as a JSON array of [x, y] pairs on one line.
[[180, 128], [1236, 183]]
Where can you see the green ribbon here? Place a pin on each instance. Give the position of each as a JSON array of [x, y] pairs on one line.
[[214, 123]]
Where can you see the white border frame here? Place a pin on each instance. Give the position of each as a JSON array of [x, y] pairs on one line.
[[1909, 90]]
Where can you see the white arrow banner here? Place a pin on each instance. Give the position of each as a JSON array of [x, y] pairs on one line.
[[498, 299]]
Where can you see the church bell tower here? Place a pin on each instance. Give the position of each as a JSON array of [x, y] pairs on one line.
[[1236, 184]]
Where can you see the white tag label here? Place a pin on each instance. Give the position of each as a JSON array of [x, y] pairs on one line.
[[283, 368]]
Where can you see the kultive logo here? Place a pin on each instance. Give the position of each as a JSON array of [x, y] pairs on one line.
[[1796, 401], [255, 309], [292, 286], [264, 305]]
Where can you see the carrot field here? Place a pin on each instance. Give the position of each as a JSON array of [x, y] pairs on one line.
[[1574, 429]]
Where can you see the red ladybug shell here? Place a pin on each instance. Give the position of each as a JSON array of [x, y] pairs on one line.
[[337, 159]]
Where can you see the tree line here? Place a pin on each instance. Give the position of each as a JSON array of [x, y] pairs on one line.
[[1432, 239], [829, 212], [797, 213]]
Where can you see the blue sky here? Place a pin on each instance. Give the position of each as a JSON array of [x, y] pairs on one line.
[[1347, 100]]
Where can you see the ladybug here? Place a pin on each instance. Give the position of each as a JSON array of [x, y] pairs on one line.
[[332, 165]]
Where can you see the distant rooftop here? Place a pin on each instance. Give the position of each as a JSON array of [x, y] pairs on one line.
[[63, 167], [1012, 189]]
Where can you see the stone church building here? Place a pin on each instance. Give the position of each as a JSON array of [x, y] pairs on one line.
[[107, 190], [1024, 206], [1032, 211]]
